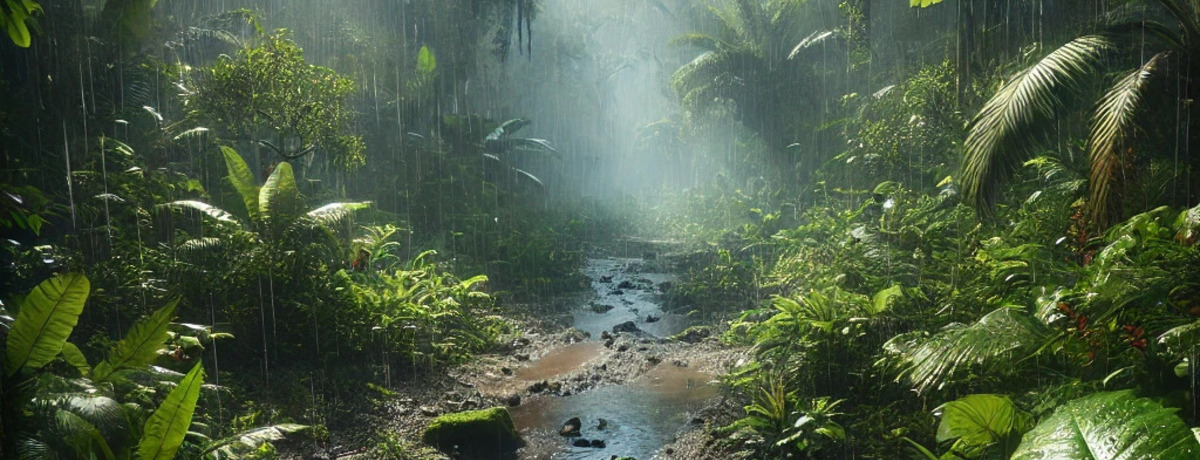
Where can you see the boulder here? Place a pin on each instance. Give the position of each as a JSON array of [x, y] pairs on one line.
[[571, 427], [581, 443], [602, 308], [487, 433], [513, 400], [628, 326]]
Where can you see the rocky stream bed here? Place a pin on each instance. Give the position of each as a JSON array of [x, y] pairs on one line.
[[606, 374]]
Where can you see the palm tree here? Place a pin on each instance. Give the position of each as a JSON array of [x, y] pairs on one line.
[[1008, 128], [748, 67]]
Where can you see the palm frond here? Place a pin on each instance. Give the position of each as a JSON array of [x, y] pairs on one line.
[[930, 363], [1004, 133], [335, 212], [99, 410], [249, 440], [1112, 126], [816, 38], [531, 177], [700, 40], [208, 209], [201, 244]]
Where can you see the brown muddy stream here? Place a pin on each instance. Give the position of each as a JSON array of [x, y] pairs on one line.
[[640, 416]]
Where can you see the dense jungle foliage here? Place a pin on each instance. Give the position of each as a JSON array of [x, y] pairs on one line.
[[944, 229]]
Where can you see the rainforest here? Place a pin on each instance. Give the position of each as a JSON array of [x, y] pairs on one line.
[[599, 229]]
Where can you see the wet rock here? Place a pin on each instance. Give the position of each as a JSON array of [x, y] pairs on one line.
[[608, 343], [599, 444], [554, 387], [606, 279], [628, 326], [654, 360], [506, 371], [601, 424], [477, 434], [680, 363], [521, 342], [694, 334], [538, 387], [652, 318], [606, 335], [664, 287], [669, 451], [429, 411], [513, 400], [571, 427], [575, 335], [643, 349], [581, 443], [602, 308], [521, 356], [697, 421], [623, 347], [626, 285], [616, 292]]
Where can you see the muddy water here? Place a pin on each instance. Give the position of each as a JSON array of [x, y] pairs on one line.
[[561, 361], [640, 416]]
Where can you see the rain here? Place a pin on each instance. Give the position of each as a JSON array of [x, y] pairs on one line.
[[599, 229]]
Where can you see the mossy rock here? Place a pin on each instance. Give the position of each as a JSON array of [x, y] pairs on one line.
[[694, 334], [480, 434]]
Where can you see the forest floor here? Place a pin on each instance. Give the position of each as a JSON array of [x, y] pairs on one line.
[[650, 390]]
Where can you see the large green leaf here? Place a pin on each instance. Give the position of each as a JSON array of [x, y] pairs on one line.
[[47, 317], [242, 179], [1110, 426], [140, 346], [167, 426], [279, 196], [976, 422], [74, 357]]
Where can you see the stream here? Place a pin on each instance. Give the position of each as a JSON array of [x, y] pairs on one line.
[[641, 415]]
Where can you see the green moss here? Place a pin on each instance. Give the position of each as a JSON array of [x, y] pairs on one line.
[[480, 433]]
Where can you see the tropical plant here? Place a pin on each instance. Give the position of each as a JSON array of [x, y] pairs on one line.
[[15, 18], [976, 424], [1007, 334], [46, 415], [748, 67], [273, 207], [1110, 425], [1009, 127], [271, 96]]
